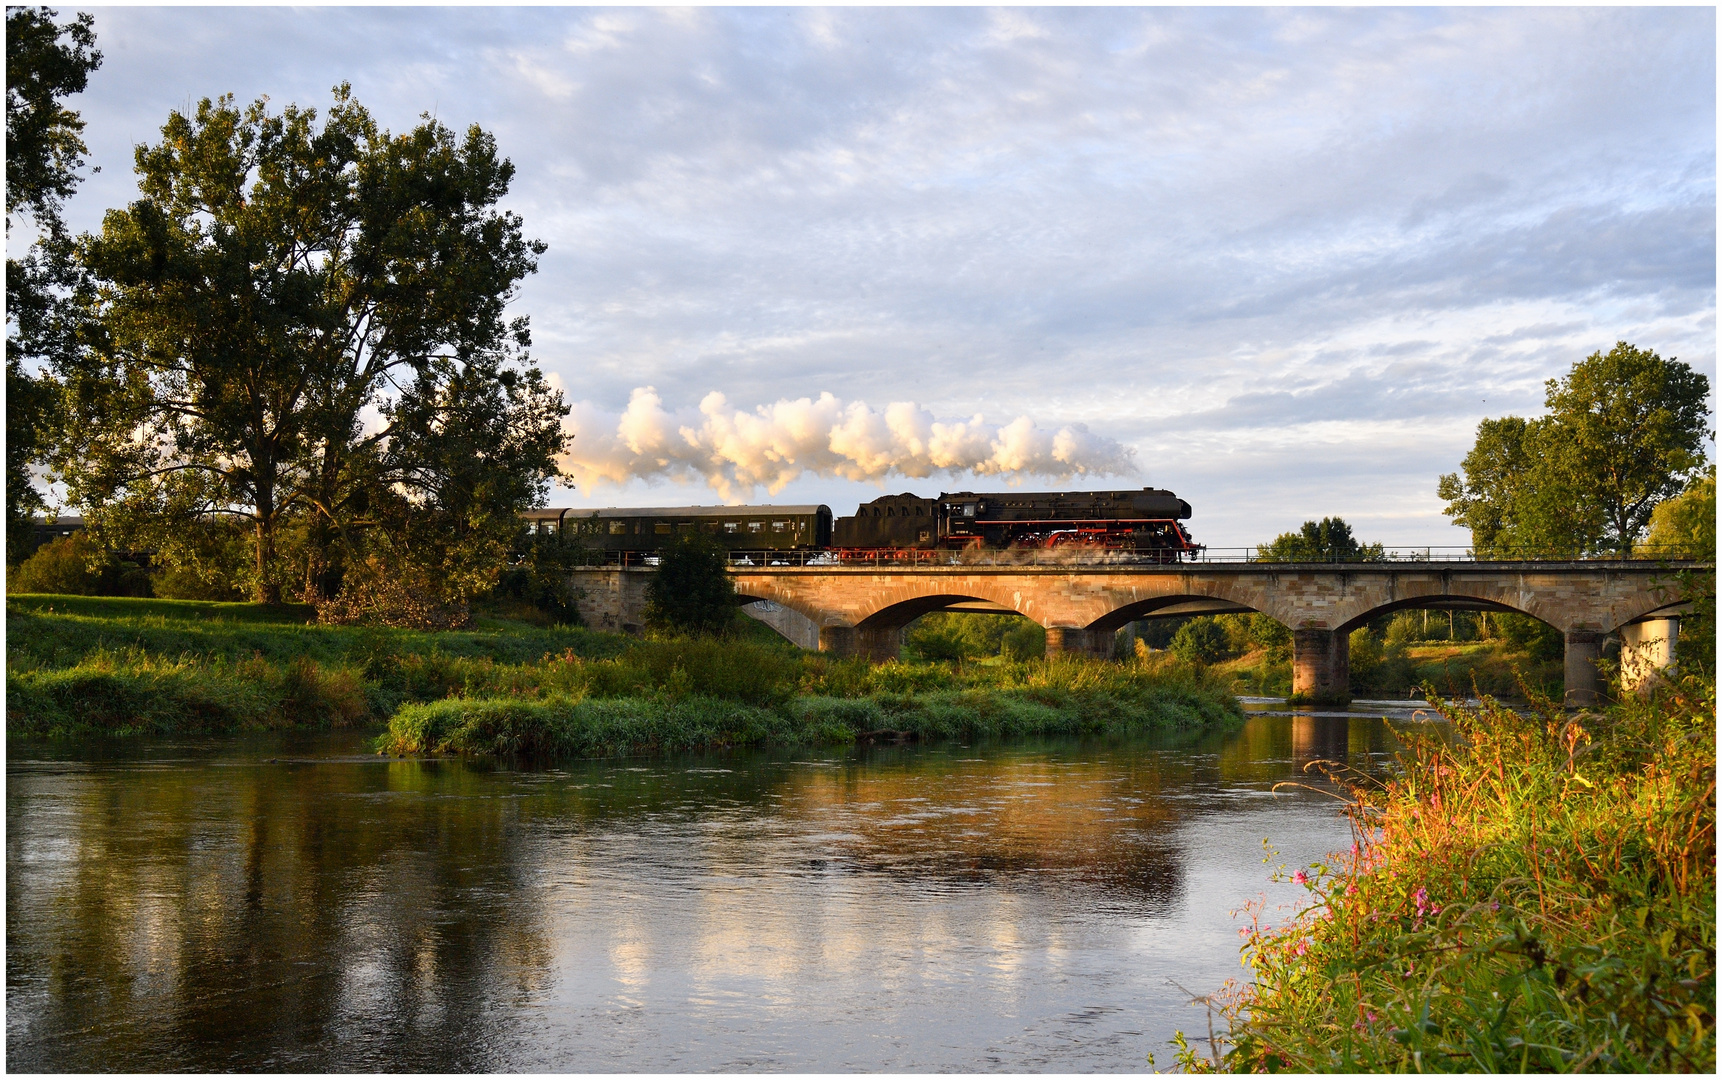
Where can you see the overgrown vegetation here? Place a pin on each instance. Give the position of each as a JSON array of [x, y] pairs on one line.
[[721, 700], [1536, 893], [85, 665], [955, 635], [691, 592]]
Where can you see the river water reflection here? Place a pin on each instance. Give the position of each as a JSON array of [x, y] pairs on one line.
[[193, 905]]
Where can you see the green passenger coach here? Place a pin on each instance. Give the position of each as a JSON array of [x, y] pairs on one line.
[[648, 528]]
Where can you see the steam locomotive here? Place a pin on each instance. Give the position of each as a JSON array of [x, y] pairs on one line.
[[905, 526]]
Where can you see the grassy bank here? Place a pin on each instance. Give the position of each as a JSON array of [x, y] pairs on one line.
[[839, 704], [1538, 894], [80, 666]]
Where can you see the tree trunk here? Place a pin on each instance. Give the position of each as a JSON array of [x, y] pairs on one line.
[[268, 590]]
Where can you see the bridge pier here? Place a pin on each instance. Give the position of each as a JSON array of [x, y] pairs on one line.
[[1583, 684], [1321, 665], [1078, 642], [880, 644], [1647, 653], [876, 643], [838, 640]]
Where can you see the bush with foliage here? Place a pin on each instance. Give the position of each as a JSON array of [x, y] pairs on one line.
[[1202, 640], [76, 565], [1378, 664], [691, 591], [538, 577]]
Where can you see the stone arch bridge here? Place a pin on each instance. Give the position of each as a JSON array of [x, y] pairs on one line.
[[863, 610]]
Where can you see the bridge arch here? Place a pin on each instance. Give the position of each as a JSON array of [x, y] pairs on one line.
[[900, 614], [756, 591], [1166, 606], [1437, 602], [900, 603]]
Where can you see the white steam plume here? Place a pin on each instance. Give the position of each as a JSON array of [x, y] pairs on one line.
[[736, 450]]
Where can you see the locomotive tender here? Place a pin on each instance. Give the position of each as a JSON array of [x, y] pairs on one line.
[[897, 526]]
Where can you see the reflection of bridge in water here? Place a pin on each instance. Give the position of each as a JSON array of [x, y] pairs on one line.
[[863, 610]]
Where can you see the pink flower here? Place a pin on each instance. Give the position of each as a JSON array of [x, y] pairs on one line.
[[1351, 888], [1301, 878]]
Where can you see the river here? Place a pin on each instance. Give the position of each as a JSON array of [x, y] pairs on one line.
[[298, 903]]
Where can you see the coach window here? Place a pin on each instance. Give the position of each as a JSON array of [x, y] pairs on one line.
[[617, 528], [731, 526], [755, 526], [661, 527], [780, 526]]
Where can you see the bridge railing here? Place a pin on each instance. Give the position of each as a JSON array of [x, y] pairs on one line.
[[1113, 557]]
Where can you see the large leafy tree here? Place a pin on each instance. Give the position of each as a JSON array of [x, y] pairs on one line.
[[1327, 540], [1623, 432], [304, 322], [46, 62], [1516, 497]]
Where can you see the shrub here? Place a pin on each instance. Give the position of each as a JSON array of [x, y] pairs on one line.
[[691, 592], [1202, 640], [1024, 641], [1377, 666], [1533, 637], [71, 566]]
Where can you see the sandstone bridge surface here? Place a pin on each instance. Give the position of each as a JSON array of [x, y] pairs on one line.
[[863, 610]]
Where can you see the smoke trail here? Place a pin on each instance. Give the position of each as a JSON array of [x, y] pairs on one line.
[[736, 451]]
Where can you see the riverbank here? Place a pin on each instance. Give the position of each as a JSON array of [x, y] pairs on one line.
[[82, 667], [1537, 894]]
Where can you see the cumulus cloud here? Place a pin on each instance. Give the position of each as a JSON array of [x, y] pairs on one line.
[[737, 450]]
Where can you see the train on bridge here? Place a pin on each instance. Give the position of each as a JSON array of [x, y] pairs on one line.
[[906, 527]]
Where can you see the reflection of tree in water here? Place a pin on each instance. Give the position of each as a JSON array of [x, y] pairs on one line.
[[416, 915], [303, 917]]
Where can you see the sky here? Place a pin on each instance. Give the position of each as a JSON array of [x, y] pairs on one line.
[[1279, 261]]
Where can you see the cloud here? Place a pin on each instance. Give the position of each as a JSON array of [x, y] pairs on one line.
[[735, 450], [1209, 233]]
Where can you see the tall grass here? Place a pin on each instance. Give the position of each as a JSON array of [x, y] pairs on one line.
[[61, 631], [136, 694], [128, 666], [1537, 894]]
